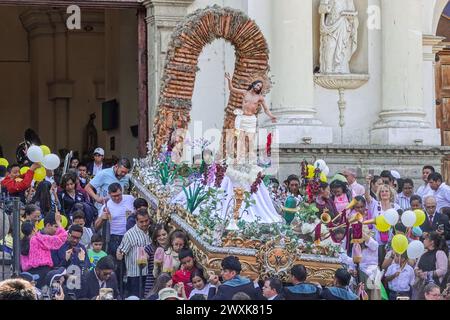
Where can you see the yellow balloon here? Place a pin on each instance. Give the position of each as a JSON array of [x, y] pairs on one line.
[[40, 224], [381, 224], [399, 243], [323, 177], [64, 221], [420, 217], [311, 171], [4, 162], [45, 150], [24, 170], [39, 174]]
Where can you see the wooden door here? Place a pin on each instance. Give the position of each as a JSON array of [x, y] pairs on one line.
[[443, 105]]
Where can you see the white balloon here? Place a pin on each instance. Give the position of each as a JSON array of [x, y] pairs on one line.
[[408, 218], [391, 216], [51, 161], [321, 164], [326, 171], [35, 154], [415, 249]]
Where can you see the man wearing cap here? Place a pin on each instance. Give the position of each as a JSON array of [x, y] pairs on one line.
[[168, 294], [97, 165], [233, 282]]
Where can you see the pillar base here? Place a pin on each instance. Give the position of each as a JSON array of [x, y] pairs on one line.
[[406, 136], [300, 130]]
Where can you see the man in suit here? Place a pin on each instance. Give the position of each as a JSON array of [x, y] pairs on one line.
[[339, 291], [233, 282], [101, 277], [435, 221], [273, 289]]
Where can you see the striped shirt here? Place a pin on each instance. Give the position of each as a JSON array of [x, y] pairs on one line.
[[132, 240], [403, 201]]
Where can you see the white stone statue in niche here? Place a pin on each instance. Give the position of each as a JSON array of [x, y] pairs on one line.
[[338, 35]]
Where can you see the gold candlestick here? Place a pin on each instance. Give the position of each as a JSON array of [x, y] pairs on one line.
[[239, 197]]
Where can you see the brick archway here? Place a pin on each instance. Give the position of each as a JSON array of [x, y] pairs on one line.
[[187, 42]]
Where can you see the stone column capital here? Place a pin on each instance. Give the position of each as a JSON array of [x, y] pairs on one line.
[[166, 3], [36, 22]]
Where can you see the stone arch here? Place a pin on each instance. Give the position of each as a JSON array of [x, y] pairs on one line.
[[186, 44], [439, 7]]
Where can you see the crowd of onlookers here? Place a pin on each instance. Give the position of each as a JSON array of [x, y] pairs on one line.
[[83, 236]]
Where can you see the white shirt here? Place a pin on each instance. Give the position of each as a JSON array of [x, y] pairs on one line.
[[272, 298], [403, 201], [369, 260], [404, 281], [424, 190], [119, 214], [203, 292], [442, 195], [357, 189]]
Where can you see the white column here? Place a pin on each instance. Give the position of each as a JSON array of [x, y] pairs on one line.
[[402, 117], [291, 63]]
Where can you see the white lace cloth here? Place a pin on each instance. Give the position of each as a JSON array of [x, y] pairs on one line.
[[262, 209]]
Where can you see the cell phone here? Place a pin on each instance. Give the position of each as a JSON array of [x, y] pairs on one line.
[[403, 298], [106, 294]]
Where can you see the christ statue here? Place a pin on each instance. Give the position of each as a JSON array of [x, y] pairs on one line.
[[245, 122]]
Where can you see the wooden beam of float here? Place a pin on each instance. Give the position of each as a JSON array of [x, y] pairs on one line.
[[187, 42]]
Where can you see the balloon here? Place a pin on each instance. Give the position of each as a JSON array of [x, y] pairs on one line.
[[323, 177], [4, 162], [399, 243], [39, 174], [319, 163], [35, 154], [326, 171], [24, 170], [420, 217], [51, 161], [310, 171], [415, 249], [391, 216], [408, 218], [381, 224], [40, 224], [45, 150], [64, 221]]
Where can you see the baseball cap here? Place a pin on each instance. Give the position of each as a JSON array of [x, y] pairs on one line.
[[100, 151], [29, 277], [167, 293], [54, 275]]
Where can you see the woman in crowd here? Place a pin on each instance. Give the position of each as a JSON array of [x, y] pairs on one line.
[[46, 197], [70, 196], [160, 239], [433, 264]]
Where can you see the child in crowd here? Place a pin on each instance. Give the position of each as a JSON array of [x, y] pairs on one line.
[[400, 277], [167, 260], [79, 219], [200, 285], [96, 252], [188, 266]]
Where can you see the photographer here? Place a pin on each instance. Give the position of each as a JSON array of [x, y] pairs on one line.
[[102, 276], [72, 251], [54, 285]]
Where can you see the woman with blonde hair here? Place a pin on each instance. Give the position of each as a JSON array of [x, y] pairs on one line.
[[386, 200]]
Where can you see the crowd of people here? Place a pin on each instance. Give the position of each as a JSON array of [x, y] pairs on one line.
[[84, 236]]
